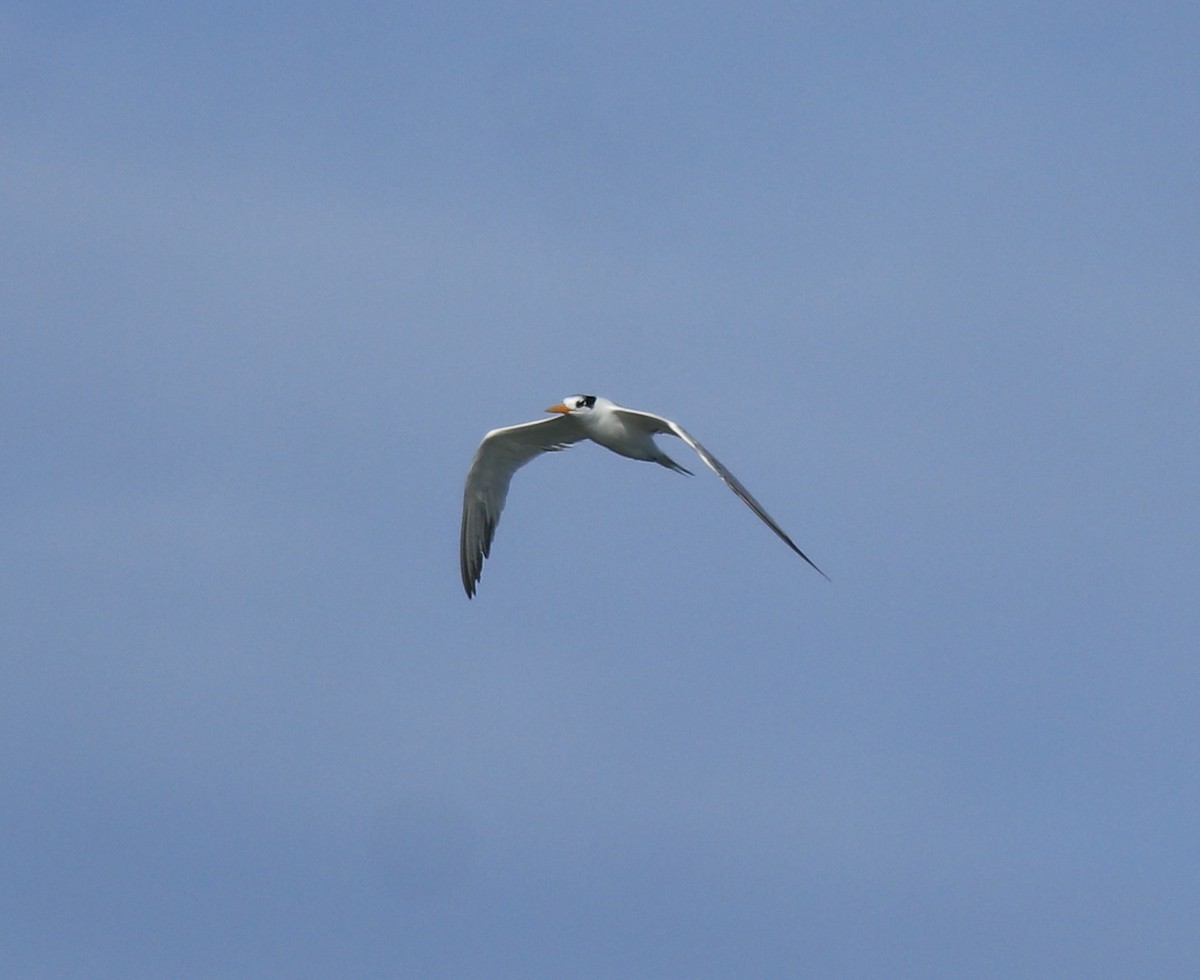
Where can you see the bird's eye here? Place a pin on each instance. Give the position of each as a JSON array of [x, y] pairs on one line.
[[588, 400]]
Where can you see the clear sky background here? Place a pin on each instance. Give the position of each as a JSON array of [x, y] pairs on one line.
[[925, 276]]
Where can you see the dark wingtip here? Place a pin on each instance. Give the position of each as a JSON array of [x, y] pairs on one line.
[[814, 565], [471, 581], [791, 544]]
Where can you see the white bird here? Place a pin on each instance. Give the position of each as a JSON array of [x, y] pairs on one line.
[[625, 431]]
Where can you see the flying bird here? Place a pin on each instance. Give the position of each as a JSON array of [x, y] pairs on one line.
[[625, 431]]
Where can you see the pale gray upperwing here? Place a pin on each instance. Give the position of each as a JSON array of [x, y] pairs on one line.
[[499, 456], [656, 423]]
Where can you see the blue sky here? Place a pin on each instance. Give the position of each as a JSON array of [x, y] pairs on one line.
[[926, 279]]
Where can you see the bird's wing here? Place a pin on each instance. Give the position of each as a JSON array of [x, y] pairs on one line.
[[499, 456], [656, 423]]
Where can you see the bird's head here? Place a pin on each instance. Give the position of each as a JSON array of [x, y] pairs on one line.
[[574, 405]]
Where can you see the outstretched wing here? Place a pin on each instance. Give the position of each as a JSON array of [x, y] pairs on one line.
[[656, 423], [499, 456]]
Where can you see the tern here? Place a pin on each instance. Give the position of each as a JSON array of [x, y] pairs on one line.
[[625, 431]]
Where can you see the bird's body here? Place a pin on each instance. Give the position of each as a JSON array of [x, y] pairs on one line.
[[625, 431]]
